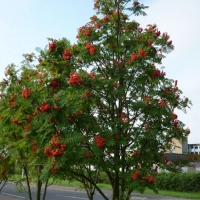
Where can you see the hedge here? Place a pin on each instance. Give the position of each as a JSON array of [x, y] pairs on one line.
[[182, 182]]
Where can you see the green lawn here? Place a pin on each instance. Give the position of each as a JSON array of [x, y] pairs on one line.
[[194, 195], [147, 191]]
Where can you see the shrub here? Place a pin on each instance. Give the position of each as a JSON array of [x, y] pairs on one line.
[[103, 178], [187, 182]]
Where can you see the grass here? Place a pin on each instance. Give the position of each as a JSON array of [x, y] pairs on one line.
[[78, 184], [194, 195]]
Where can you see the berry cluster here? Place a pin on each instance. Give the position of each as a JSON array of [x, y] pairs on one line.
[[56, 108], [174, 116], [158, 73], [148, 177], [57, 148], [54, 168], [54, 84], [123, 117], [16, 121], [162, 103], [85, 30], [34, 146], [90, 47], [106, 18], [87, 94], [12, 100], [52, 45], [100, 142], [135, 175], [88, 154], [91, 75], [74, 116], [27, 127], [115, 85], [26, 92], [67, 54], [45, 107], [74, 79], [141, 53]]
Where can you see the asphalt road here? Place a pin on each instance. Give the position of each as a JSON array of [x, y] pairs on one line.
[[71, 193], [53, 193]]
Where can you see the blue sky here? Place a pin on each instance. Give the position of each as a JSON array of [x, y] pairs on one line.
[[26, 24]]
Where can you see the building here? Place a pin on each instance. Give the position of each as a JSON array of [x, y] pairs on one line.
[[179, 147], [181, 150], [194, 148]]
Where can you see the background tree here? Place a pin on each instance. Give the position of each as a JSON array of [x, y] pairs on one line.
[[33, 117]]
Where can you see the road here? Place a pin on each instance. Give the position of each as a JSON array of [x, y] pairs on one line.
[[70, 193], [53, 193]]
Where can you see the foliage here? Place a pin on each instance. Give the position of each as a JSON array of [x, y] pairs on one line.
[[29, 106], [6, 169], [187, 182], [103, 178], [193, 157]]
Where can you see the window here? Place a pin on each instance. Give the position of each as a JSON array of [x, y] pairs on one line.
[[198, 169]]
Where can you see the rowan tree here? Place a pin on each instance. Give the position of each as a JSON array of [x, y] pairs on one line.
[[128, 115], [33, 118]]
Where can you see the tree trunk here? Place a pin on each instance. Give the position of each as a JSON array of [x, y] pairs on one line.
[[123, 182], [4, 182], [27, 181], [39, 186], [39, 183], [128, 194], [83, 177], [89, 194], [45, 189], [116, 187]]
